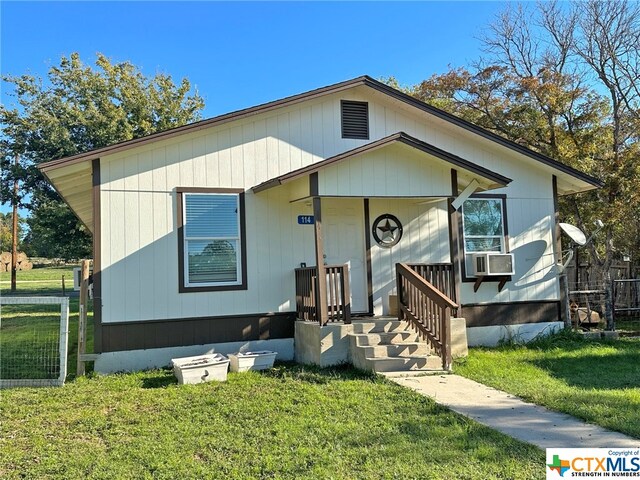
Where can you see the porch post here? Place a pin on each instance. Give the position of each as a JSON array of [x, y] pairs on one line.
[[321, 290], [454, 239]]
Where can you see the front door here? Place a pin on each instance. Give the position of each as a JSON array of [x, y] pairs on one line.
[[343, 222]]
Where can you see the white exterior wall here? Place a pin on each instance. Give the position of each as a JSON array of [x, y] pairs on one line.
[[377, 174], [138, 219], [425, 239]]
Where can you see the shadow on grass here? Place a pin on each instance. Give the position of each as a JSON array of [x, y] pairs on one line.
[[281, 370], [160, 379], [607, 371], [317, 375]]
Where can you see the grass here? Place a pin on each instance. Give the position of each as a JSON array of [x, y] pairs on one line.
[[39, 281], [290, 422], [595, 380], [628, 324]]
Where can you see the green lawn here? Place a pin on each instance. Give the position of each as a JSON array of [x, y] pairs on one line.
[[628, 324], [39, 281], [598, 381], [290, 422]]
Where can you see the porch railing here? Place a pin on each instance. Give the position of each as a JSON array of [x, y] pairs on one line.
[[440, 275], [427, 309], [338, 294]]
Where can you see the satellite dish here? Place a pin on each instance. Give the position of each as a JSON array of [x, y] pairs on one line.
[[574, 233]]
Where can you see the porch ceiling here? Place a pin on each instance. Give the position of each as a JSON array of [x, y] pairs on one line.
[[467, 170]]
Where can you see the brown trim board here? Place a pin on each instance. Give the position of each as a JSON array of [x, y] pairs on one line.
[[97, 260], [313, 184], [454, 238], [564, 314], [513, 313], [368, 261], [196, 331], [180, 227]]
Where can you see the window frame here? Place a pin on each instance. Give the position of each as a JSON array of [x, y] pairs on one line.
[[183, 283], [505, 236]]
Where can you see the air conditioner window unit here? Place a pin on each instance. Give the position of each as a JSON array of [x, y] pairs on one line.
[[488, 263]]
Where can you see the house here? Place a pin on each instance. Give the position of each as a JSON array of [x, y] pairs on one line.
[[209, 234]]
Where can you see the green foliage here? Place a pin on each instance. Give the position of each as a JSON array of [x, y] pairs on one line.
[[80, 108], [292, 422], [55, 232], [595, 380], [568, 89], [6, 228]]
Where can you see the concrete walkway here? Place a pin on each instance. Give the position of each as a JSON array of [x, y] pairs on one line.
[[512, 416]]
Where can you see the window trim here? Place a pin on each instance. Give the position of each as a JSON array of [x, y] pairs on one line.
[[342, 102], [180, 203], [505, 231]]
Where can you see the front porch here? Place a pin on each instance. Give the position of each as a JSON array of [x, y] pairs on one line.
[[423, 336], [385, 223]]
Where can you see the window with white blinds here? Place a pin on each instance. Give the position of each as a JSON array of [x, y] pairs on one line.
[[212, 239]]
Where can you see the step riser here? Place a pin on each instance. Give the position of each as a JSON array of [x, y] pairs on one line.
[[393, 338], [395, 350], [380, 327], [403, 364]]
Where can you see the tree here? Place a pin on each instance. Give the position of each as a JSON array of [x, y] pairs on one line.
[[564, 79], [6, 220], [79, 108], [45, 238]]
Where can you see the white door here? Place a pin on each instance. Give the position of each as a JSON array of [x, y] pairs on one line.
[[343, 224]]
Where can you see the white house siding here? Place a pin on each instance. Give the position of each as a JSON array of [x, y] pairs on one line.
[[425, 240], [393, 171], [139, 244]]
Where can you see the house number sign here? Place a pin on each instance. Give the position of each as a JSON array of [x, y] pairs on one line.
[[306, 220], [387, 230]]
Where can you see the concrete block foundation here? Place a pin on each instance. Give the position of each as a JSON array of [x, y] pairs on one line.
[[323, 346], [459, 345]]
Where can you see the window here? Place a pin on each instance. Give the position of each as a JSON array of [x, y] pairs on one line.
[[355, 119], [211, 237], [484, 227]]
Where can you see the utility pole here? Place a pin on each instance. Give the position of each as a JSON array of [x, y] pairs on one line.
[[14, 238]]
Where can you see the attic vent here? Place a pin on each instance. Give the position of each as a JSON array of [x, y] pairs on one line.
[[355, 119]]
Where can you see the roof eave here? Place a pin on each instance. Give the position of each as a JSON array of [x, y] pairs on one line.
[[362, 80]]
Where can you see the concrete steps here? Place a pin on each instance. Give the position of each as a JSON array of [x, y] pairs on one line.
[[390, 346]]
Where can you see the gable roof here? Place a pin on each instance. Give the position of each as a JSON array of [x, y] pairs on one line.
[[400, 137], [363, 80]]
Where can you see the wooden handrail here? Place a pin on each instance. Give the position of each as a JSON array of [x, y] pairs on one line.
[[425, 287], [440, 275], [427, 309], [338, 299]]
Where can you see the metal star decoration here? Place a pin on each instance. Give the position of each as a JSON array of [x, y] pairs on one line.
[[387, 231]]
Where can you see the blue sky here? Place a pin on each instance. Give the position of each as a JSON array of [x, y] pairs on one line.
[[241, 54]]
